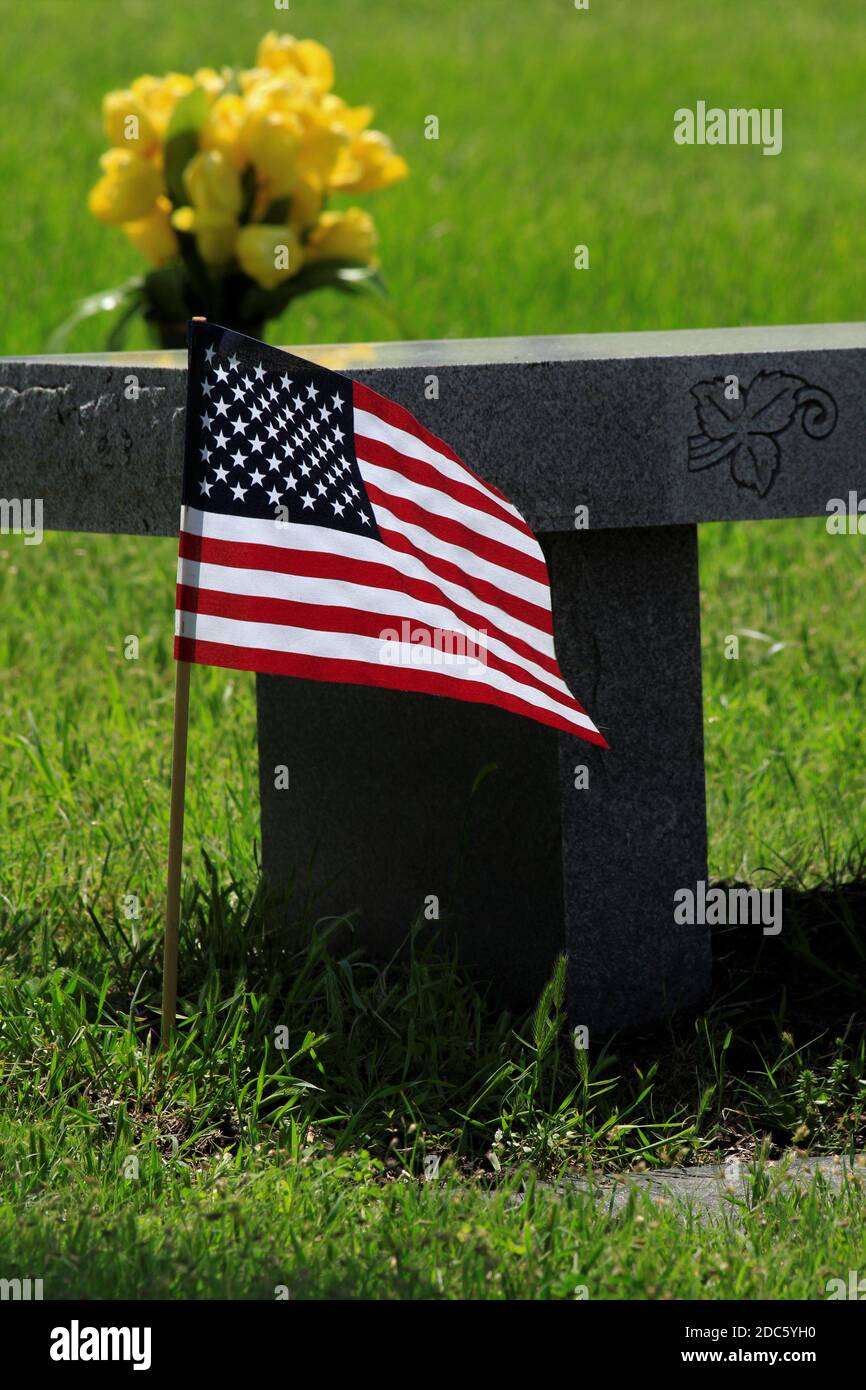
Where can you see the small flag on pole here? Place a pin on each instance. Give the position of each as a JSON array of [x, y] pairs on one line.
[[325, 533]]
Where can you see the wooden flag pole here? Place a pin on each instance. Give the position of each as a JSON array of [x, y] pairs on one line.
[[175, 843], [175, 849]]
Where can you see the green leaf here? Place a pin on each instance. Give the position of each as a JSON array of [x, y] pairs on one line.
[[116, 339], [128, 296], [347, 276], [190, 113], [181, 141]]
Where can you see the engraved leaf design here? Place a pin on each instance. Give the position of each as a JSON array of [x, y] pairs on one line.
[[717, 416], [771, 402], [756, 462], [745, 429]]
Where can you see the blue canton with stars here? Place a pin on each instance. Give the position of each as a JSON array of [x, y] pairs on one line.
[[270, 436]]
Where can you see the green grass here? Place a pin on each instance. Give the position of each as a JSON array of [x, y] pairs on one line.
[[305, 1227], [305, 1166], [785, 743], [556, 128], [243, 1158]]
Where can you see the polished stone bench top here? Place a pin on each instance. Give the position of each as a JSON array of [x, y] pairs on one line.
[[636, 427]]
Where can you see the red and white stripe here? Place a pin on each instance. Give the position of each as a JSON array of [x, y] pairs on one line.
[[455, 559]]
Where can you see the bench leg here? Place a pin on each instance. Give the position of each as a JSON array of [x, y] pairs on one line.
[[627, 612], [409, 807]]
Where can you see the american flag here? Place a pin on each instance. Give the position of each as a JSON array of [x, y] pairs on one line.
[[325, 533]]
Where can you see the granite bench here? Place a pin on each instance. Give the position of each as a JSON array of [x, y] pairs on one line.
[[517, 839]]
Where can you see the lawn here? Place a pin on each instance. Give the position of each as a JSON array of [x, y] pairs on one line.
[[305, 1165], [556, 128]]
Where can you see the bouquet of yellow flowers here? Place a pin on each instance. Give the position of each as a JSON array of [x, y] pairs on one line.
[[222, 181]]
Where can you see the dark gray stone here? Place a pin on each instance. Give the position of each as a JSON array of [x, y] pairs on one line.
[[601, 420], [395, 797], [100, 460], [712, 1188], [627, 613]]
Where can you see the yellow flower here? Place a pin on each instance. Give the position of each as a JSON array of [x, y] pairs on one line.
[[343, 236], [306, 204], [269, 254], [286, 93], [215, 234], [272, 130], [320, 150], [214, 191], [287, 135], [212, 81], [368, 163], [290, 136], [160, 95], [223, 128], [278, 92], [272, 141], [303, 205], [212, 184], [252, 78], [279, 51], [127, 123], [127, 190], [152, 236], [352, 119]]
